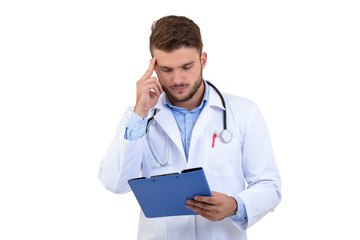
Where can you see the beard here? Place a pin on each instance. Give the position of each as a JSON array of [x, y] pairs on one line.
[[187, 97]]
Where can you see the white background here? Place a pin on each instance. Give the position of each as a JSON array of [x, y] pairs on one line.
[[68, 71]]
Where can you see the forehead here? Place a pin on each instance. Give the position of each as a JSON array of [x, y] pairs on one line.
[[177, 57]]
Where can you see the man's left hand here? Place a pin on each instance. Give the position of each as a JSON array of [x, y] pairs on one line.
[[214, 208]]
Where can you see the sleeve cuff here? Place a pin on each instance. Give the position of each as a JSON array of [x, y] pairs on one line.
[[241, 210], [135, 128]]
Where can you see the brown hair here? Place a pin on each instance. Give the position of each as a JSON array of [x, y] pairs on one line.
[[173, 32]]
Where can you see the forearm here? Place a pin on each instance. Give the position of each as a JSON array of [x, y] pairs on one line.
[[263, 192], [122, 160]]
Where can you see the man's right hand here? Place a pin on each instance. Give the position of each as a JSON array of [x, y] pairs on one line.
[[148, 91]]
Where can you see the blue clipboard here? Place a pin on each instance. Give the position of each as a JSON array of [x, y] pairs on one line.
[[166, 195]]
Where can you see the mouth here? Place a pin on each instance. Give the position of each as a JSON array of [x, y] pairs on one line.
[[179, 88]]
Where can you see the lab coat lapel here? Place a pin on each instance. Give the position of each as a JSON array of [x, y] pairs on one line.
[[201, 122], [206, 114], [166, 120]]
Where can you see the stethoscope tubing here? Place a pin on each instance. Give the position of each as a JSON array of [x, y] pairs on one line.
[[222, 100]]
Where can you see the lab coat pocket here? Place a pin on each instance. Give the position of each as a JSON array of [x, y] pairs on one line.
[[220, 158]]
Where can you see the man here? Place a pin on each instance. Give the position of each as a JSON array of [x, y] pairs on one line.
[[186, 133]]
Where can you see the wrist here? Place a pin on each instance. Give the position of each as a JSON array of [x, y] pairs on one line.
[[235, 207], [141, 113], [240, 213]]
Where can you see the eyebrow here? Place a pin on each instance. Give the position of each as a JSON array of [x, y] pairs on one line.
[[184, 65]]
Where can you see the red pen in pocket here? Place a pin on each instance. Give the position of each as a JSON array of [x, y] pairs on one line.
[[214, 136]]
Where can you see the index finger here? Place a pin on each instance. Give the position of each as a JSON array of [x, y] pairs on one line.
[[205, 199], [150, 69]]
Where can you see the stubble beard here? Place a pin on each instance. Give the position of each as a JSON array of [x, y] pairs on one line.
[[191, 94]]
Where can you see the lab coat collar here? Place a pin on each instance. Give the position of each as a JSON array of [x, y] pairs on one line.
[[214, 99]]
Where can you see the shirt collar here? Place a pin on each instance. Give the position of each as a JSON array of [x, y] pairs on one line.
[[202, 105]]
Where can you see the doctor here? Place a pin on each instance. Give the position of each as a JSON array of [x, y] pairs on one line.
[[187, 120]]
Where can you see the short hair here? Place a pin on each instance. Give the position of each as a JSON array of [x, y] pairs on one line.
[[173, 32]]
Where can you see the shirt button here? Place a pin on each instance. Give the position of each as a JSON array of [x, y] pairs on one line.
[[188, 141], [188, 114], [141, 125]]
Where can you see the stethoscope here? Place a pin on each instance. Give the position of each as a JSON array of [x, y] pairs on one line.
[[225, 135]]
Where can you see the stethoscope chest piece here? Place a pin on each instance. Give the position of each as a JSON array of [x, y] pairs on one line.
[[226, 136]]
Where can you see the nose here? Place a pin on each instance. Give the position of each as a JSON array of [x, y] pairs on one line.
[[177, 77]]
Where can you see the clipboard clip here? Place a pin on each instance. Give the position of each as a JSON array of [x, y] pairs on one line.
[[162, 175]]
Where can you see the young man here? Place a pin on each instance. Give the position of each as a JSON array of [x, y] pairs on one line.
[[186, 133]]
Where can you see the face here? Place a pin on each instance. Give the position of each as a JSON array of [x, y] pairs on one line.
[[180, 75]]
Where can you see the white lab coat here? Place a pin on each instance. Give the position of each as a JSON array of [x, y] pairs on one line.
[[244, 167]]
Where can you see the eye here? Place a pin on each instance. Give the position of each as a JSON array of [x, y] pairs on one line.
[[187, 67], [166, 70]]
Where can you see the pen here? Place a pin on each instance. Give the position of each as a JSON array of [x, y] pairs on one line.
[[214, 136]]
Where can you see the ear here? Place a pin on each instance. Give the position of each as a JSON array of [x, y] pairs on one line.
[[203, 59]]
